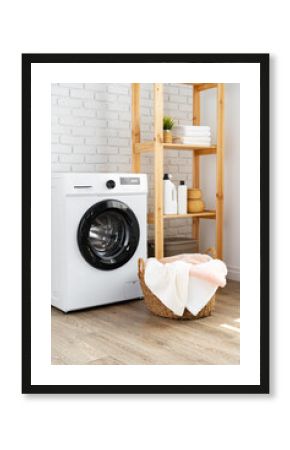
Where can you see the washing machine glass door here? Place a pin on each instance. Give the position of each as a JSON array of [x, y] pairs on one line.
[[108, 234]]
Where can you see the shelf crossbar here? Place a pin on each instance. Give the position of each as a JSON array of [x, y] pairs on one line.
[[207, 214], [149, 146]]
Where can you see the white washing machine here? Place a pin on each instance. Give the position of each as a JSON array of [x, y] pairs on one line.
[[99, 230]]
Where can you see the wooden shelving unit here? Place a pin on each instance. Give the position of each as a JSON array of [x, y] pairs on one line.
[[159, 149]]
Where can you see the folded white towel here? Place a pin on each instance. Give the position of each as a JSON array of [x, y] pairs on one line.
[[173, 285], [190, 128], [191, 131], [199, 141], [193, 134], [195, 138]]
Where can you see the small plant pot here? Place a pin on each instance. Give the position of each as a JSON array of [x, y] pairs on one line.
[[167, 136]]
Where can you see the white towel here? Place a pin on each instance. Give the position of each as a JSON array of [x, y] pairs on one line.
[[173, 285], [169, 282], [199, 141], [199, 294], [193, 134], [189, 130], [195, 139], [193, 131]]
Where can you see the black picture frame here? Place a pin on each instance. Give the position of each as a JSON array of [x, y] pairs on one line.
[[263, 61]]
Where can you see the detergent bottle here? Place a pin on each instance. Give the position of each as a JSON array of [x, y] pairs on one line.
[[169, 195], [182, 198]]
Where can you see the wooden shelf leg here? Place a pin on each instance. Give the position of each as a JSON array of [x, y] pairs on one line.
[[158, 169], [136, 135], [196, 162], [220, 171]]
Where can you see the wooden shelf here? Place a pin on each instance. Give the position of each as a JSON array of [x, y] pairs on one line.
[[158, 149], [208, 214], [199, 150], [202, 86]]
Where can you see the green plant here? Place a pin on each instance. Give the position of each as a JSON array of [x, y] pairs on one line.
[[168, 123]]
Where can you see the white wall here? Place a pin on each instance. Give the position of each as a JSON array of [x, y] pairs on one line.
[[91, 132], [231, 176]]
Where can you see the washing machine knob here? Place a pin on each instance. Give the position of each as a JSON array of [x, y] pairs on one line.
[[110, 184]]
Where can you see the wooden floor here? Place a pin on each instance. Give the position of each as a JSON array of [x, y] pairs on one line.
[[129, 334]]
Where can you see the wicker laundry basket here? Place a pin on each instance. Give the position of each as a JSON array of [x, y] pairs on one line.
[[159, 309]]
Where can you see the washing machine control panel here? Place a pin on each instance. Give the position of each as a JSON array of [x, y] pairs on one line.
[[111, 184], [107, 184], [130, 181]]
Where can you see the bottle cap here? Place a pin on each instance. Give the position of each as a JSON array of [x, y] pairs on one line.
[[166, 176], [182, 182]]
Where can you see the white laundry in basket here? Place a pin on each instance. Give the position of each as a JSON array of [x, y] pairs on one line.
[[181, 284]]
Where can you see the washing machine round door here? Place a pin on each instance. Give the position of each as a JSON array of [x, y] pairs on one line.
[[108, 234]]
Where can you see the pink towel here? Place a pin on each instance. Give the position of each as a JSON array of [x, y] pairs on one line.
[[203, 267]]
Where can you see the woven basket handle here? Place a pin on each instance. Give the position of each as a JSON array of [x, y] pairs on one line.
[[211, 251], [141, 266]]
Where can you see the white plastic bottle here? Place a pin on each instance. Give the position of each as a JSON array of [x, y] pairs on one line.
[[182, 198], [169, 196]]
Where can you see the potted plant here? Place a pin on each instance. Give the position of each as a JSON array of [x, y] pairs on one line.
[[168, 124]]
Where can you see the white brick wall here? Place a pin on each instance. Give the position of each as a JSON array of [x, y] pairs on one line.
[[91, 132]]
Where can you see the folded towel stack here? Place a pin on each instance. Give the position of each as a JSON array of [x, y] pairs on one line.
[[193, 135]]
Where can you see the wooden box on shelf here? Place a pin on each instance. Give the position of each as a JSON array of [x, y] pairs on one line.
[[174, 246]]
